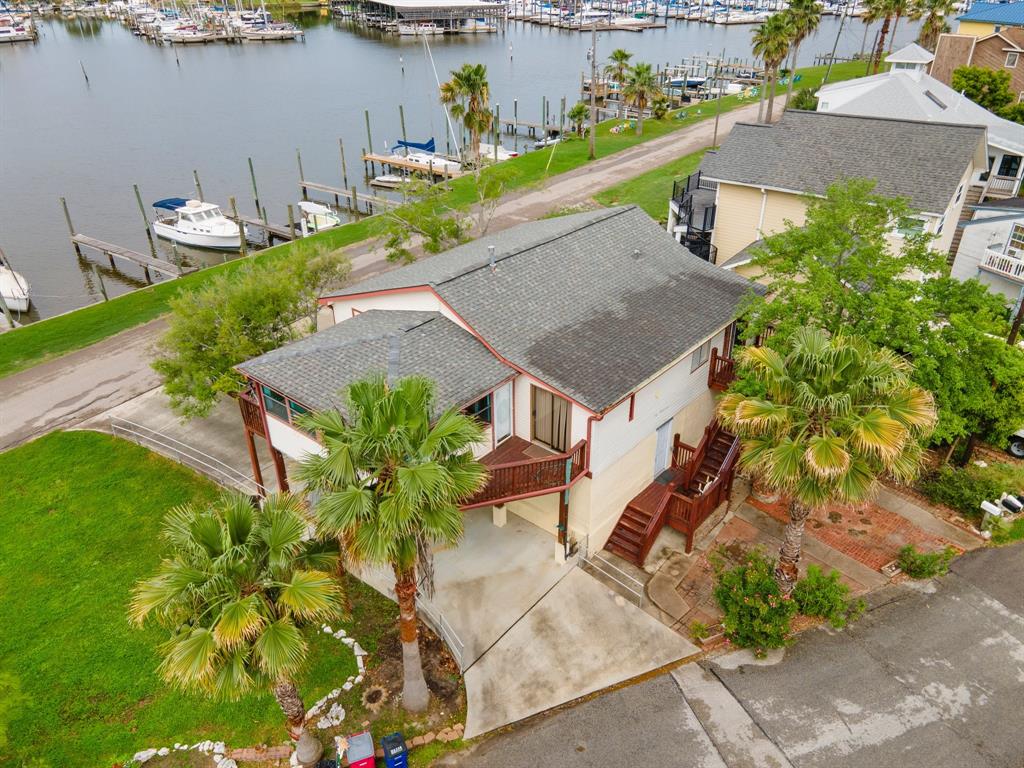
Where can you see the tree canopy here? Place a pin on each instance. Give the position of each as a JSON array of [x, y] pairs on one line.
[[845, 271], [236, 316], [988, 88]]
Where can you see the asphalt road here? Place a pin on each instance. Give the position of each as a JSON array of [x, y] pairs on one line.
[[933, 674]]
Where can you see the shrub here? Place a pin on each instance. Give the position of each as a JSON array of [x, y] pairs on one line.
[[925, 565], [699, 630], [826, 597], [756, 615], [963, 489], [805, 98]]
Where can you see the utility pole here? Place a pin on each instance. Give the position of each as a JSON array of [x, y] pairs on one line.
[[593, 90], [718, 106], [835, 45]]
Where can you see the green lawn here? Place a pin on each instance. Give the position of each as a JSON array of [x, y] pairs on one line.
[[80, 514], [24, 347], [652, 190]]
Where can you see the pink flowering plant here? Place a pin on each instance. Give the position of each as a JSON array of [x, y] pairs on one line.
[[756, 614]]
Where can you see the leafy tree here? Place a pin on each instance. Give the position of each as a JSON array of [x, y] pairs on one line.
[[468, 93], [236, 316], [1014, 112], [578, 115], [616, 69], [234, 592], [805, 98], [832, 416], [804, 18], [934, 13], [771, 44], [988, 88], [843, 271], [391, 481], [640, 88]]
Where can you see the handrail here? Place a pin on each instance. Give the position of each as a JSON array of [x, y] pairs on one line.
[[681, 453], [1002, 264], [721, 370], [531, 477]]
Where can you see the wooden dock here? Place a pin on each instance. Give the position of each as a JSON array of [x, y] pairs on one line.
[[352, 196], [280, 231], [112, 251], [406, 165]]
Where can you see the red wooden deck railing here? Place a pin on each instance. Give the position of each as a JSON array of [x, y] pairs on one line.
[[722, 370], [251, 415], [532, 477], [686, 513]]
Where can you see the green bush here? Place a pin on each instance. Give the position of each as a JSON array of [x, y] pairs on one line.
[[756, 615], [925, 565], [826, 597], [699, 630], [964, 488]]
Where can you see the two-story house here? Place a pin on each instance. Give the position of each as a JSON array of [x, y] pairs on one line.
[[991, 249], [589, 345], [908, 92], [760, 177]]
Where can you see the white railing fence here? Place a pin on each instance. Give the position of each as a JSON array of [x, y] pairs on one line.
[[436, 620], [630, 587], [1004, 265], [183, 453]]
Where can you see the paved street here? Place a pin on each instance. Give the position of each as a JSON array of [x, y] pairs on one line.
[[85, 383], [931, 675]]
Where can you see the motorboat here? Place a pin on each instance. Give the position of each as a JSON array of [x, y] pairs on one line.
[[195, 223], [478, 25], [425, 161], [15, 29], [549, 141], [275, 31], [317, 217], [425, 28], [389, 181], [487, 153], [14, 289]]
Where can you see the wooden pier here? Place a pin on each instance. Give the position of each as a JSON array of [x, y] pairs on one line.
[[112, 251], [352, 196], [279, 231], [407, 165]]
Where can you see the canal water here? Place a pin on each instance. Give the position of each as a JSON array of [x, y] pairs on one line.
[[151, 114]]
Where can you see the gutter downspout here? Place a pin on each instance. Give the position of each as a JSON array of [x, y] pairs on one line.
[[764, 204]]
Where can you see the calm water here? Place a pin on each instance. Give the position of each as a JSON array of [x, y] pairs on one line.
[[148, 119]]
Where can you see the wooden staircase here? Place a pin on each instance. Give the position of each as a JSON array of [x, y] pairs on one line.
[[699, 479], [973, 197]]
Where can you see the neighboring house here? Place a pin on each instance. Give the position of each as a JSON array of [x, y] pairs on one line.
[[762, 173], [1000, 51], [992, 248], [907, 92], [588, 344], [988, 18]]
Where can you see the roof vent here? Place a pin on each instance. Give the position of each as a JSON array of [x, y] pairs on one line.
[[935, 99], [490, 256], [636, 253]]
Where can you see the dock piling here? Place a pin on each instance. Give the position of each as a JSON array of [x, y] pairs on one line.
[[302, 176], [99, 282], [344, 170], [199, 187], [355, 199], [401, 119], [369, 137], [244, 247], [71, 228], [145, 221], [255, 191], [291, 220]]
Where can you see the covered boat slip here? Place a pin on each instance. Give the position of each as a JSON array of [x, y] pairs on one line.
[[446, 13]]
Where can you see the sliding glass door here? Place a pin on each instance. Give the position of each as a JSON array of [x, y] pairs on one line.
[[551, 414]]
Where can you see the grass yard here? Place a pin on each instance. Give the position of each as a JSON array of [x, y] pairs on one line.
[[27, 346], [80, 512], [652, 190]]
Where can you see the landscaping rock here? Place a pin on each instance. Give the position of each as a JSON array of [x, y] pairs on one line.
[[429, 736], [163, 751], [417, 741], [143, 756]]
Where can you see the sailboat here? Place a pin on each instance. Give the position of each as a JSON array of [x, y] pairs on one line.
[[14, 288]]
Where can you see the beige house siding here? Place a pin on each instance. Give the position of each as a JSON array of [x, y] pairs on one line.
[[739, 219]]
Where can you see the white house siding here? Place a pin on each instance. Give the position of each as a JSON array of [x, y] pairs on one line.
[[290, 441], [522, 411], [419, 300], [985, 231]]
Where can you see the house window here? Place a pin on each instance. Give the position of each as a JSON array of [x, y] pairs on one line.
[[1016, 245], [275, 403], [959, 194], [295, 411], [910, 226], [1011, 59], [942, 223], [480, 410], [700, 355], [1009, 166]]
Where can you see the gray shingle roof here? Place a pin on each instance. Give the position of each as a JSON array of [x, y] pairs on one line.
[[314, 370], [593, 304], [808, 151]]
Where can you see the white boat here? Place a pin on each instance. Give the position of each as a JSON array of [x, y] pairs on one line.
[[389, 181], [487, 153], [478, 25], [430, 163], [317, 217], [426, 28], [201, 225], [15, 290], [275, 31], [548, 142], [15, 29]]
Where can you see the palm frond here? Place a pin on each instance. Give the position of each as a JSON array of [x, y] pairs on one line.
[[280, 649], [310, 595]]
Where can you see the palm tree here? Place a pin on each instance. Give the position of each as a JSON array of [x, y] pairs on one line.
[[660, 106], [392, 483], [578, 116], [238, 584], [641, 86], [615, 70], [908, 8], [468, 94], [883, 10], [771, 44], [935, 13], [804, 18], [835, 414]]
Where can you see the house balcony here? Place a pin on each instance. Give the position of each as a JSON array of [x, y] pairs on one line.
[[1000, 187], [694, 201], [1007, 265], [520, 469], [721, 371]]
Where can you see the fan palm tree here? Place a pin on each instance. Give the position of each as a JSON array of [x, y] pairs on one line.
[[392, 481], [908, 8], [771, 44], [884, 11], [616, 69], [578, 116], [835, 414], [640, 88], [804, 18], [468, 94], [934, 13], [237, 586]]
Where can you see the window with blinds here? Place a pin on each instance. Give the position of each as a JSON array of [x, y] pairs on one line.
[[551, 418]]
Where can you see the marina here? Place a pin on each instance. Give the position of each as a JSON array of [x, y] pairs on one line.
[[147, 115]]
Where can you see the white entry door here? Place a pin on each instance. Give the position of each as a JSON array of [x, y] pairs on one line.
[[502, 412], [663, 448]]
